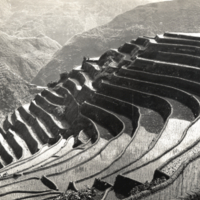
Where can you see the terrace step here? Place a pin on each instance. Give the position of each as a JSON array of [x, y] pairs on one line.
[[30, 133], [166, 39], [128, 48], [22, 131], [2, 131], [102, 117], [42, 132], [154, 46], [155, 101], [60, 162], [18, 145], [55, 126], [73, 86], [112, 55], [143, 169], [110, 104], [7, 147], [7, 123], [83, 78], [44, 154], [91, 68], [143, 140], [121, 109], [180, 83], [5, 157], [186, 100], [187, 147], [137, 98], [141, 41], [191, 36], [76, 82], [53, 97], [183, 59], [54, 110], [88, 80], [165, 68], [76, 74], [126, 56]]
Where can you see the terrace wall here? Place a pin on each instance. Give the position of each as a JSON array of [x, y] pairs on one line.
[[63, 77], [116, 56], [63, 92], [179, 58], [167, 69], [6, 124], [82, 123], [46, 119], [186, 85], [104, 118], [50, 108], [128, 48], [85, 94], [145, 100], [172, 57], [117, 106], [178, 41], [24, 133], [71, 86], [2, 132], [78, 76], [52, 98], [17, 149], [170, 92], [71, 110], [142, 41], [177, 35], [92, 71], [32, 121], [5, 155], [174, 48]]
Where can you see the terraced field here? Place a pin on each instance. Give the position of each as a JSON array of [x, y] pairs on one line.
[[126, 125]]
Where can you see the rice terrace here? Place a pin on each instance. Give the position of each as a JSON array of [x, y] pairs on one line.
[[124, 125]]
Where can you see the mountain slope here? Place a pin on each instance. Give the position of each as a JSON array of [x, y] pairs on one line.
[[14, 91], [62, 19], [5, 11], [180, 16], [26, 56]]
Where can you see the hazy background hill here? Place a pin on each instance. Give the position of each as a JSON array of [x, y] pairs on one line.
[[26, 56], [61, 19], [150, 19]]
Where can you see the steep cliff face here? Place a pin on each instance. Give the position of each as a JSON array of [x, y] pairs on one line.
[[26, 56], [180, 16]]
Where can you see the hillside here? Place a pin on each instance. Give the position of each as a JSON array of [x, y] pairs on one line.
[[150, 19], [14, 91], [125, 124], [5, 11], [26, 56], [61, 19]]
